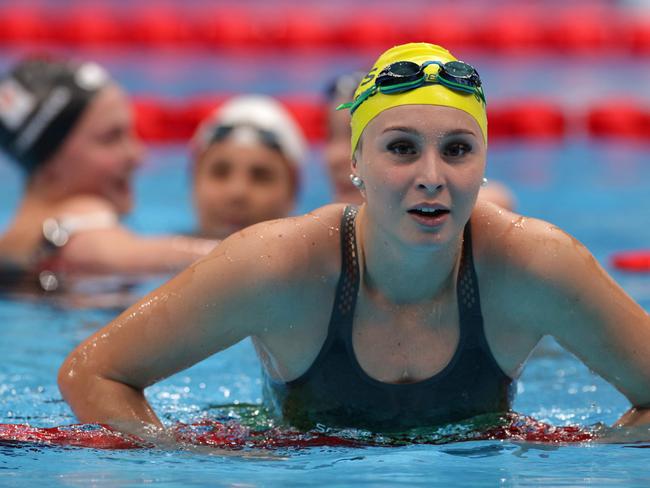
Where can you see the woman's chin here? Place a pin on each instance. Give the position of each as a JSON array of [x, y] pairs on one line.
[[218, 231]]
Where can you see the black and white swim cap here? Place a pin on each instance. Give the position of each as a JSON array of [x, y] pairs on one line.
[[40, 102]]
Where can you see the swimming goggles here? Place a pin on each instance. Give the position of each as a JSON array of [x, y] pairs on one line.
[[266, 137], [403, 76]]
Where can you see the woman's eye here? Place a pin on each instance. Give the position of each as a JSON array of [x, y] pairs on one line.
[[456, 149], [262, 175], [402, 148], [110, 136], [219, 171]]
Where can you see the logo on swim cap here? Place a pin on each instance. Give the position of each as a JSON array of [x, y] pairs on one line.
[[16, 103], [90, 76]]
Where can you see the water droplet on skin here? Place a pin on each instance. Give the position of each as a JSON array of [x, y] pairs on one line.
[[519, 223]]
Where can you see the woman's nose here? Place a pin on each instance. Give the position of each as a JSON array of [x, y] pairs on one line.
[[136, 151], [236, 187], [430, 176]]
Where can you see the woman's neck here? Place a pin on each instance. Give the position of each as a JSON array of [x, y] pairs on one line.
[[403, 273], [39, 192]]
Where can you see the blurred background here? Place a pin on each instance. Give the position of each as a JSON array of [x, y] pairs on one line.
[[568, 87]]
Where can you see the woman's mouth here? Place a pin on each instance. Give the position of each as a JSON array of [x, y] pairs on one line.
[[429, 216]]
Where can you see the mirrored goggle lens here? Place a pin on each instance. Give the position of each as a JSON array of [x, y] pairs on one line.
[[399, 72], [458, 69]]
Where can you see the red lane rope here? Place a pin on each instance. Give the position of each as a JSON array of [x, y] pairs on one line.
[[234, 436], [158, 120], [635, 261], [505, 28]]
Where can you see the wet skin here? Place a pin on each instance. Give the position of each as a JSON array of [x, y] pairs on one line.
[[276, 283]]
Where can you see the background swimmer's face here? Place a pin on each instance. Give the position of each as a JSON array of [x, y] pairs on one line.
[[101, 152], [240, 184], [421, 154], [337, 153]]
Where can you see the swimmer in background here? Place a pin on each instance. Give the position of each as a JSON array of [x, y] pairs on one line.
[[337, 148], [246, 162], [417, 309], [69, 127]]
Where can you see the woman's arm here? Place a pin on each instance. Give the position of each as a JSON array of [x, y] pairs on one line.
[[561, 290], [244, 287], [118, 250], [96, 242]]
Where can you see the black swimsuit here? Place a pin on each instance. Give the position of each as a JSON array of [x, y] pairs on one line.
[[336, 392]]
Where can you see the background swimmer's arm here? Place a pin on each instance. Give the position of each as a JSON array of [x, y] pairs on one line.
[[245, 287], [98, 243], [118, 250], [564, 292]]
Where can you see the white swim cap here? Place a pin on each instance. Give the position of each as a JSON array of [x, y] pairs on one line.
[[257, 118]]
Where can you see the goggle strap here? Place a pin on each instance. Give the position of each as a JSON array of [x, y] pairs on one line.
[[429, 63], [399, 87], [362, 98]]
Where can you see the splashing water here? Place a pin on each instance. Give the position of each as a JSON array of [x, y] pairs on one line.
[[235, 435]]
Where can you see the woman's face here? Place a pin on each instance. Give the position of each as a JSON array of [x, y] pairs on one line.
[[240, 184], [337, 153], [422, 167], [102, 151]]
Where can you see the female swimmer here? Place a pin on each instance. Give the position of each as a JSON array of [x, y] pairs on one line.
[[337, 148], [415, 310], [246, 161], [70, 128]]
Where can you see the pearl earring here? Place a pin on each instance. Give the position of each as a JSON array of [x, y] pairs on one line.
[[356, 181], [484, 182]]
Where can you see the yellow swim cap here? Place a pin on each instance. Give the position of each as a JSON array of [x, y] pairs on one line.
[[428, 94]]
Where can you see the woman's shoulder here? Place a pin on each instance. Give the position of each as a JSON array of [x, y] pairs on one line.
[[525, 246], [80, 205], [319, 225], [308, 243]]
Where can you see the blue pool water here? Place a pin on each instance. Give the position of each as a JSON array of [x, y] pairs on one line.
[[598, 191]]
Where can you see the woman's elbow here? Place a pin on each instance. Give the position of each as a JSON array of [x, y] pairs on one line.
[[75, 381]]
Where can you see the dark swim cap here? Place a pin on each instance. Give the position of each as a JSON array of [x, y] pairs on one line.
[[40, 102], [343, 86]]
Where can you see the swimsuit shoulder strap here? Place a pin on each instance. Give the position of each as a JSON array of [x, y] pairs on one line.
[[345, 298], [348, 285], [469, 302]]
